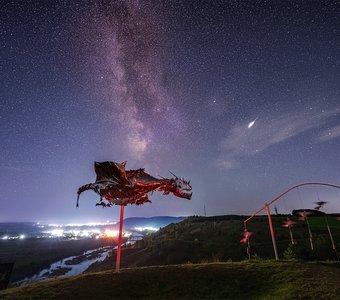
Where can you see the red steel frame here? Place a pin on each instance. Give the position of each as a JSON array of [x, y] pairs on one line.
[[266, 208]]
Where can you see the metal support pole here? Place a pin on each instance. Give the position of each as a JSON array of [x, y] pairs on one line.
[[310, 234], [332, 240], [291, 235], [248, 243], [272, 231], [119, 238]]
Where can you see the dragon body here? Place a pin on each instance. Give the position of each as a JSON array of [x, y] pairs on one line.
[[117, 186]]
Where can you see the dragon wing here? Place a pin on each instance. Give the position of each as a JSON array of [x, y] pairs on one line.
[[110, 170], [141, 177]]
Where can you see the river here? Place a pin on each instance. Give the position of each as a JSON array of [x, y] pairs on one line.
[[69, 266]]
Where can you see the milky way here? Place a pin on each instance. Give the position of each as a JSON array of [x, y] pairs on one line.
[[168, 85], [126, 49]]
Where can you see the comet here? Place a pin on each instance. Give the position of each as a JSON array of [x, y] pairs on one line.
[[251, 124]]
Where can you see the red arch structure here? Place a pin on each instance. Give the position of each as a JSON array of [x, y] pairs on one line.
[[266, 207]]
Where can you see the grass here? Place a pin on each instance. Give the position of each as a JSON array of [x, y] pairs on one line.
[[251, 280]]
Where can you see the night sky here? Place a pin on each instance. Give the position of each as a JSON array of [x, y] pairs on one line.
[[240, 97]]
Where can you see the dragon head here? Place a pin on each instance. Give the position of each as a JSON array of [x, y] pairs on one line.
[[181, 188]]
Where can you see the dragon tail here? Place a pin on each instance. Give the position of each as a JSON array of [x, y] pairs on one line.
[[83, 188]]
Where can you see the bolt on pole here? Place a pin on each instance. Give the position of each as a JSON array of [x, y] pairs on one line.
[[272, 231]]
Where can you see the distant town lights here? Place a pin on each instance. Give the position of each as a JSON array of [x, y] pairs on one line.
[[127, 234], [70, 233], [146, 228], [57, 232], [111, 233]]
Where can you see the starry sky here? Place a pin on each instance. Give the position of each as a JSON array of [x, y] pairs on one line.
[[240, 97]]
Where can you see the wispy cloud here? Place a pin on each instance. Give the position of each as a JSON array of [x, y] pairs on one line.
[[329, 134], [242, 142]]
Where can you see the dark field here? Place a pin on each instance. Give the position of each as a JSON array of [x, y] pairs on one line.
[[246, 280], [32, 255]]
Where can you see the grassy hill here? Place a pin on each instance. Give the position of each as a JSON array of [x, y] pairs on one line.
[[201, 257], [241, 280], [216, 239]]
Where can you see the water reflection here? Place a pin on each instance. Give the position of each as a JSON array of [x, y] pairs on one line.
[[70, 266]]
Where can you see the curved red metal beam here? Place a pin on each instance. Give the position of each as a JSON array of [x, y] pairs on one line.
[[286, 192]]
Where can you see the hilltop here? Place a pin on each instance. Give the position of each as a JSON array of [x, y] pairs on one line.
[[216, 239], [156, 222]]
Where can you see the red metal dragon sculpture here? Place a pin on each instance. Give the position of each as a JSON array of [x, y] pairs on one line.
[[121, 187]]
